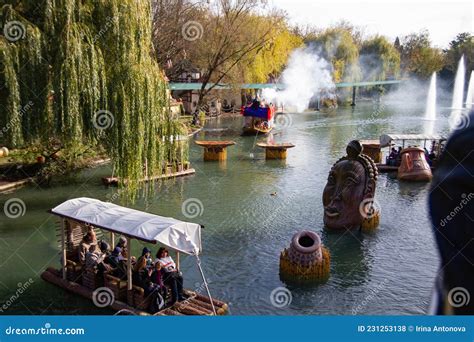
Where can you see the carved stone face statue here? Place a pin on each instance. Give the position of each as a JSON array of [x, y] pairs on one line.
[[351, 181]]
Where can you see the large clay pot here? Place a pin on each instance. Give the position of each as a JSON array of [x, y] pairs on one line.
[[305, 248], [413, 166], [305, 260]]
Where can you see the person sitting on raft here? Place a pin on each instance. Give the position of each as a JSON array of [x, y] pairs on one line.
[[146, 253], [97, 259], [255, 104], [88, 244], [392, 158], [117, 261], [398, 160], [122, 244], [103, 266], [141, 276], [171, 275], [157, 278], [427, 156]]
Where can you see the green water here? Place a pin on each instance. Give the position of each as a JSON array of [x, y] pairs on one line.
[[388, 272]]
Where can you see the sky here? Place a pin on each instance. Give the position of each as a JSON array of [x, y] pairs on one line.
[[443, 19]]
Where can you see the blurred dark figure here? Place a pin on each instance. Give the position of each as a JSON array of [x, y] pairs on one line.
[[427, 156], [452, 213]]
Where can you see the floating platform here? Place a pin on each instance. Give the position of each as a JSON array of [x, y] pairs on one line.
[[215, 150], [275, 151], [7, 185], [187, 172], [372, 149], [195, 304]]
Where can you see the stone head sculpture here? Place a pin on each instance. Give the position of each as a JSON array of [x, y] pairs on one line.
[[350, 189]]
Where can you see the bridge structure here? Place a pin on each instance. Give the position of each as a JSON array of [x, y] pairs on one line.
[[277, 86]]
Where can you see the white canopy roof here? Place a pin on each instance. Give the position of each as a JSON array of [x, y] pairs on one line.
[[181, 236], [385, 139]]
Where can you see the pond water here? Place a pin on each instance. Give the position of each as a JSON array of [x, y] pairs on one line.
[[388, 272]]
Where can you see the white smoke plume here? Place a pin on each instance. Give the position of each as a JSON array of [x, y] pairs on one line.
[[307, 76]]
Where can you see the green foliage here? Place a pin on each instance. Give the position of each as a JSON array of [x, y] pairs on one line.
[[379, 59], [418, 57], [268, 62], [463, 44], [80, 58], [339, 46]]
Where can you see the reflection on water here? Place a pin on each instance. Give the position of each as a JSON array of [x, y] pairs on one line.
[[251, 209]]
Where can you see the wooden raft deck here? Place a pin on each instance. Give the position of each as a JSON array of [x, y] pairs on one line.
[[195, 304]]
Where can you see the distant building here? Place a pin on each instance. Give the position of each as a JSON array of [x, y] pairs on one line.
[[218, 100], [185, 72]]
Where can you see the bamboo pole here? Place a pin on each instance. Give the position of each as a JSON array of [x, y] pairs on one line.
[[205, 284], [129, 264], [112, 240], [178, 264], [63, 247]]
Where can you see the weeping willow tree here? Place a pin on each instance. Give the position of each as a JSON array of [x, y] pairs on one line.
[[82, 72]]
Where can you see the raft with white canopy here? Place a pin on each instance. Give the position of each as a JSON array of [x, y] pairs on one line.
[[178, 235], [79, 214], [387, 139]]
